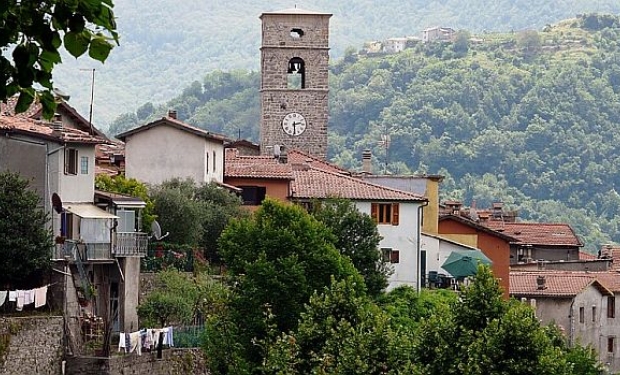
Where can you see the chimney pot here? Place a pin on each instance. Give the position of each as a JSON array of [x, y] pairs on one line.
[[367, 161], [172, 114]]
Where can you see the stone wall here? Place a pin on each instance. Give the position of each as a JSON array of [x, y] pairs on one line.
[[31, 345], [173, 362]]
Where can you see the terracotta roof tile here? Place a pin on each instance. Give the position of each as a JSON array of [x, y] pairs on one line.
[[42, 129], [557, 284], [586, 256], [313, 182], [312, 177], [538, 233]]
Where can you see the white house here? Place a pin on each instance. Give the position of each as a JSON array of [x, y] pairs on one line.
[[168, 148], [302, 178]]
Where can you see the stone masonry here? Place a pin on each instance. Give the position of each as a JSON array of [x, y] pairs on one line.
[[279, 46], [31, 345]]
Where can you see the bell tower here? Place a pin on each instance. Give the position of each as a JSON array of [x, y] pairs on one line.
[[294, 88]]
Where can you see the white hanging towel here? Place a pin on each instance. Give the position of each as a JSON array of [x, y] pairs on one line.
[[40, 297], [3, 295], [20, 300], [13, 296]]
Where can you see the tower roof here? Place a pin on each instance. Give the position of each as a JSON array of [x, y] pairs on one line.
[[297, 11]]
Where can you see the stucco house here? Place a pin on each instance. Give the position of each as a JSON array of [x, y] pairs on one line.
[[102, 262], [583, 304], [300, 178], [437, 33], [169, 148]]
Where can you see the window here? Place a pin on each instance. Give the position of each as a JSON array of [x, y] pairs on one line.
[[582, 313], [207, 162], [214, 162], [594, 313], [385, 213], [610, 344], [611, 307], [390, 255], [253, 195], [71, 160], [84, 165], [66, 225]]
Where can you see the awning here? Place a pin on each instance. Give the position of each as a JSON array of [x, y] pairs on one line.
[[90, 211]]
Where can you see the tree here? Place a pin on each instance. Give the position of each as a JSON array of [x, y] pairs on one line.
[[277, 259], [357, 237], [341, 332], [36, 31], [25, 239]]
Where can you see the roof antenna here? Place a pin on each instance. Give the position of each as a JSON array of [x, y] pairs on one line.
[[92, 98]]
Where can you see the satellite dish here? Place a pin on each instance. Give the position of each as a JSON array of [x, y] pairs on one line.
[[56, 203], [156, 231], [60, 94]]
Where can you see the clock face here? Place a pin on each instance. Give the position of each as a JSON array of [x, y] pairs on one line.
[[294, 124]]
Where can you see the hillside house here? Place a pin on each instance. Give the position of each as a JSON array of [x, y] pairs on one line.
[[168, 148], [435, 34], [60, 163], [583, 304], [394, 45], [300, 178]]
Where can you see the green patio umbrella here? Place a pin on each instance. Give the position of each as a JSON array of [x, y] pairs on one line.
[[463, 263]]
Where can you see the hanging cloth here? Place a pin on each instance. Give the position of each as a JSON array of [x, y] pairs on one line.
[[3, 295], [40, 297]]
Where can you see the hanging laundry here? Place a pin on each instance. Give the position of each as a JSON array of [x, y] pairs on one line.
[[13, 296], [3, 295], [135, 342], [20, 300], [121, 342], [28, 297], [169, 340], [40, 297]]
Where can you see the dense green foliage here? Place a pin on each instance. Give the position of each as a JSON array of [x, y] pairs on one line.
[[357, 237], [36, 31], [25, 241], [527, 118], [194, 214], [277, 259], [343, 332], [192, 39]]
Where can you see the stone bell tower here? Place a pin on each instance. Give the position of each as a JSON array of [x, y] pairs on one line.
[[294, 89]]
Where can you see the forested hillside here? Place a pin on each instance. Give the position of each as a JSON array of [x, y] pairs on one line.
[[165, 45], [528, 118]]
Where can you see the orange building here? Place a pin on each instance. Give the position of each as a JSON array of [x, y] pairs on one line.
[[495, 245]]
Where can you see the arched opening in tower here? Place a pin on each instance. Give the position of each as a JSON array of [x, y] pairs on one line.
[[296, 74]]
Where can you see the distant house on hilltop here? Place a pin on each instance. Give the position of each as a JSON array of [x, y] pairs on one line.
[[437, 34]]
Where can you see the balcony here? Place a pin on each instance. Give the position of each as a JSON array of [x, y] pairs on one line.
[[128, 244], [71, 250]]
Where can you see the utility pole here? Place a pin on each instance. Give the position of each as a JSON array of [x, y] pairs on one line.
[[92, 98]]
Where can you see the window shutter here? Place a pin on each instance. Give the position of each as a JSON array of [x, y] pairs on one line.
[[394, 213], [395, 256], [374, 212]]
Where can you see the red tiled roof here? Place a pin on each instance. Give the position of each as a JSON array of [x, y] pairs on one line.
[[41, 129], [312, 177], [538, 233], [169, 121], [35, 112], [557, 284], [313, 182], [586, 256]]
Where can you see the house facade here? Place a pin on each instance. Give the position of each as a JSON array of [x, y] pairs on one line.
[[583, 304], [94, 277], [300, 178], [168, 148]]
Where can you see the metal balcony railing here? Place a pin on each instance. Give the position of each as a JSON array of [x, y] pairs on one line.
[[128, 244]]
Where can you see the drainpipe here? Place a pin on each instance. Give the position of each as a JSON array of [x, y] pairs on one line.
[[418, 251], [571, 319]]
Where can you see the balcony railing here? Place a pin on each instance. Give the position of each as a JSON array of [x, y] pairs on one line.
[[86, 251], [128, 244]]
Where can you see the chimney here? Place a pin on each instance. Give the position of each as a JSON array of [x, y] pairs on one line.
[[541, 282], [283, 158], [172, 114], [366, 161], [57, 122]]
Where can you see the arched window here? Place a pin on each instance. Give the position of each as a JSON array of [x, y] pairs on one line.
[[296, 77]]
